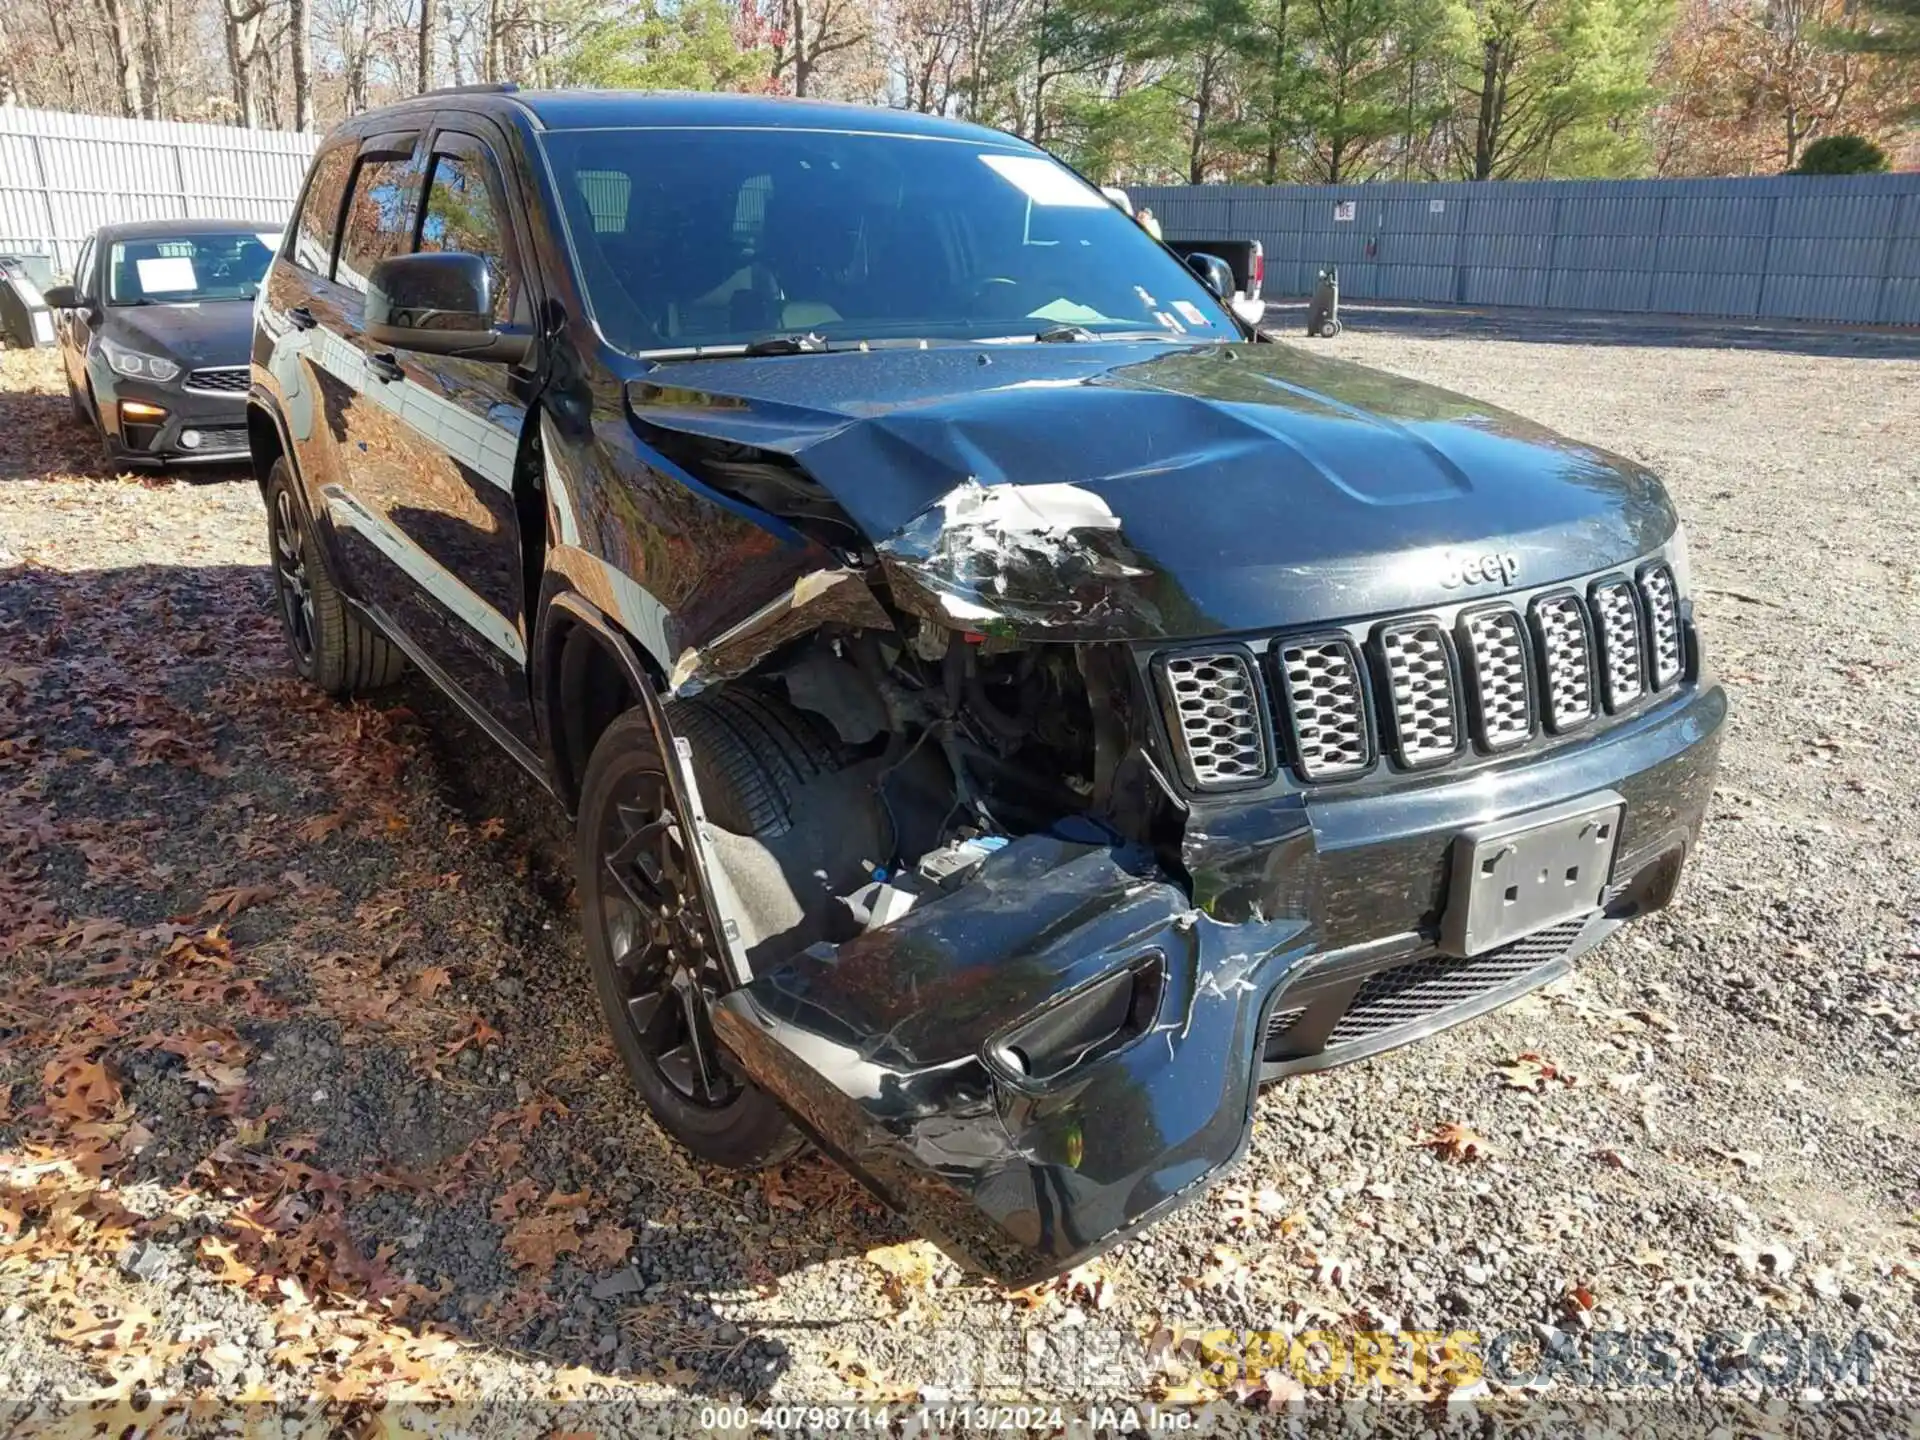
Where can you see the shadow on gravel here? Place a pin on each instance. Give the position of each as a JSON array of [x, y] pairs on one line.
[[310, 973], [1562, 327]]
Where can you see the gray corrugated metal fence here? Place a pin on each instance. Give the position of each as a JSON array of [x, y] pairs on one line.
[[1782, 247], [63, 176]]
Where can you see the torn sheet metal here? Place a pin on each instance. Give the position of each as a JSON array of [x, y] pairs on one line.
[[1020, 559], [822, 597]]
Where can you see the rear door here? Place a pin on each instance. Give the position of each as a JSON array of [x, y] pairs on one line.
[[434, 478], [352, 421], [302, 320]]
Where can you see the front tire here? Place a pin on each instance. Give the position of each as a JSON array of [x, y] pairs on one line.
[[331, 646], [656, 966]]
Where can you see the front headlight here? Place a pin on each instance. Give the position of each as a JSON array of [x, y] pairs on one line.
[[1681, 562], [135, 365]]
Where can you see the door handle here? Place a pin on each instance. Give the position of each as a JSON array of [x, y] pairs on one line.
[[384, 367], [302, 318]]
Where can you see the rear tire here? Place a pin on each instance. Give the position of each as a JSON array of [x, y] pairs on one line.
[[331, 646], [656, 966]]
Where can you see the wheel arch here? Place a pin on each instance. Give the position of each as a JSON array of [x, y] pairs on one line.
[[590, 672], [266, 441], [578, 644]]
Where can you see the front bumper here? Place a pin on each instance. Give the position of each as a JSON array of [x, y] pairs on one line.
[[219, 419], [906, 1052]]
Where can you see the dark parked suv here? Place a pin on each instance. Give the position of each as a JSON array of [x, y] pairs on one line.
[[1010, 710]]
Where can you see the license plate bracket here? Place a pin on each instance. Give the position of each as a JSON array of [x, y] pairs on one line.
[[1515, 876]]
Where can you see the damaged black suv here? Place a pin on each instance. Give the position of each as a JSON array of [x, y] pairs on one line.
[[1010, 709]]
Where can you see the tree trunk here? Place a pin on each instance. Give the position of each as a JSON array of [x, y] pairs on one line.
[[423, 77], [1486, 131], [302, 65], [243, 19], [797, 38], [126, 62], [1202, 112], [156, 45]]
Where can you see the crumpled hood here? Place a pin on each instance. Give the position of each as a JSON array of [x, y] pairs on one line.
[[1140, 490], [214, 332]]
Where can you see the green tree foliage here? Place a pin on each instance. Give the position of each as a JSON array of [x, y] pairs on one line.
[[1553, 86], [663, 45], [1841, 155], [1885, 27]]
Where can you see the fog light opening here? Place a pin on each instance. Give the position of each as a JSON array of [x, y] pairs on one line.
[[189, 439]]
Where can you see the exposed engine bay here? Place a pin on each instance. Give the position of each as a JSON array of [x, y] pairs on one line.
[[930, 755]]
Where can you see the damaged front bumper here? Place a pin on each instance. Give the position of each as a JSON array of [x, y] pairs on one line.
[[1068, 1047]]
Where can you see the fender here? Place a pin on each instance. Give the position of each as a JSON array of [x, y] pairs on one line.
[[716, 889]]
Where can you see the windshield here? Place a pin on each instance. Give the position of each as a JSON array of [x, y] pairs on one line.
[[186, 269], [723, 237]]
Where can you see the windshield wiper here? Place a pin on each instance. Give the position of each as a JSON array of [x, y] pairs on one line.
[[808, 344], [1065, 335]]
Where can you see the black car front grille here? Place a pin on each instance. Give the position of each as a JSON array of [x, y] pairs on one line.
[[1424, 690], [1420, 990], [221, 380]]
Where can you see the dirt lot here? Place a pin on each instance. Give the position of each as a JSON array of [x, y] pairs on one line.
[[303, 1094]]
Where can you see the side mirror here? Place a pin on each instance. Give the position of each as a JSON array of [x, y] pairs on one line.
[[1216, 273], [439, 304], [62, 297]]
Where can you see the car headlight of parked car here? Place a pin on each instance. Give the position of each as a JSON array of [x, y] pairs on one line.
[[135, 365]]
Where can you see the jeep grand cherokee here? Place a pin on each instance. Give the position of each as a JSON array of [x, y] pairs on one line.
[[1008, 709]]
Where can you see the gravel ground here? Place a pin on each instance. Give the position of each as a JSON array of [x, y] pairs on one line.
[[303, 1095]]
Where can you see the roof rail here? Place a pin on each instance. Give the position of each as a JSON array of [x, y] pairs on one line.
[[488, 87]]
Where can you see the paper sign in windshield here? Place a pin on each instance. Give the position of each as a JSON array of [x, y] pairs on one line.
[[1044, 182], [168, 274]]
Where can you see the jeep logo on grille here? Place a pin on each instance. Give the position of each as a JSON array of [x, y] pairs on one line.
[[1498, 565]]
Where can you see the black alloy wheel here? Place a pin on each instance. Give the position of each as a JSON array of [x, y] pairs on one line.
[[290, 572], [657, 965], [657, 938]]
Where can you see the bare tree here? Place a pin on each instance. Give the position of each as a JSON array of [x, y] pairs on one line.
[[244, 46], [424, 78], [809, 31], [302, 46], [126, 60]]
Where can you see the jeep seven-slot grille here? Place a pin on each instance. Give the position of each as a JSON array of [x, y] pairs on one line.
[[1421, 695], [1419, 691], [1663, 612], [1214, 711], [1617, 622], [1496, 652], [1567, 660], [1329, 714]]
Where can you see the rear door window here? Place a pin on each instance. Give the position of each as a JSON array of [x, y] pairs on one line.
[[320, 210], [379, 216]]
